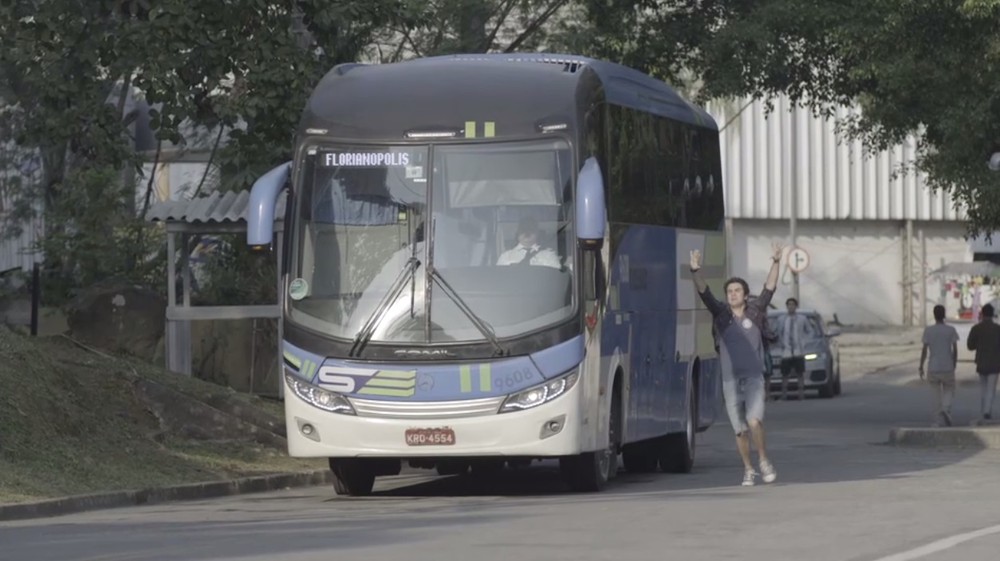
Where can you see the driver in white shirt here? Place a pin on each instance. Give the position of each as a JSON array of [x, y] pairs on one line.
[[528, 251]]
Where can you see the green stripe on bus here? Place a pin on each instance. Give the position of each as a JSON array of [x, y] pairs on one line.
[[293, 360], [387, 392], [485, 378], [390, 383], [465, 378], [397, 374]]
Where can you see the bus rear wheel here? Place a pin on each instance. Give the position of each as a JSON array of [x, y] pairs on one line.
[[352, 477], [677, 449]]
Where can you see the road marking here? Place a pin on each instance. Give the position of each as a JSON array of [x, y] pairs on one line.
[[941, 545]]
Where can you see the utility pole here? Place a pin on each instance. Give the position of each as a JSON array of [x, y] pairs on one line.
[[793, 198]]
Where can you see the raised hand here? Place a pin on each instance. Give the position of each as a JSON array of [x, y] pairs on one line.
[[778, 250], [695, 259]]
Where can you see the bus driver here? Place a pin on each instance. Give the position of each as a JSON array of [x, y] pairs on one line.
[[528, 251]]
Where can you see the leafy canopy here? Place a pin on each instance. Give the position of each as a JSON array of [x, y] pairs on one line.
[[925, 67]]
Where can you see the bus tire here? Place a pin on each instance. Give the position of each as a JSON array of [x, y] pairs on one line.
[[677, 449], [352, 477], [591, 471]]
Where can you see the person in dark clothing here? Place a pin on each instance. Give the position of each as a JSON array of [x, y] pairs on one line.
[[738, 326], [984, 338]]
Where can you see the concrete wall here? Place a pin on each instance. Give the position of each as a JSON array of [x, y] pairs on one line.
[[856, 268]]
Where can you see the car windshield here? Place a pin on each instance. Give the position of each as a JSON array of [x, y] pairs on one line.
[[493, 220]]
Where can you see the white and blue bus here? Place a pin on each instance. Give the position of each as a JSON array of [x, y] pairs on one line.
[[411, 334]]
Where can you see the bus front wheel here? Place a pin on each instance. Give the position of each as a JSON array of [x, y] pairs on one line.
[[591, 471], [352, 477]]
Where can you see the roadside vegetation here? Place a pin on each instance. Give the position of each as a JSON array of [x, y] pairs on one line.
[[77, 421]]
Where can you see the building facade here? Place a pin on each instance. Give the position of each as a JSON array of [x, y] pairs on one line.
[[874, 237]]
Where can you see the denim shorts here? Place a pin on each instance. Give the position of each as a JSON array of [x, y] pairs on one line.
[[744, 400]]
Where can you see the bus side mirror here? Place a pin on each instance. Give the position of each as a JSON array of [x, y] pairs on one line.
[[590, 208], [260, 209]]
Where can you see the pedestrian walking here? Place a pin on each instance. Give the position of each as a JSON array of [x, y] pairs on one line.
[[738, 327], [941, 346], [984, 338]]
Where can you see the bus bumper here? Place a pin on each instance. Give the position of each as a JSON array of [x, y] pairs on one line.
[[550, 429]]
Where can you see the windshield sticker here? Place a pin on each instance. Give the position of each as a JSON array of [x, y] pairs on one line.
[[365, 159], [298, 289]]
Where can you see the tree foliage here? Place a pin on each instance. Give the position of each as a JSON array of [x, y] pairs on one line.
[[436, 27], [67, 69], [239, 68], [930, 68]]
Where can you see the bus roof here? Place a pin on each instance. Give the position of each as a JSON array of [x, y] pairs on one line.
[[366, 99]]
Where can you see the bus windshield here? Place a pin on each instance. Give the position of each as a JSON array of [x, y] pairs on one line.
[[420, 244]]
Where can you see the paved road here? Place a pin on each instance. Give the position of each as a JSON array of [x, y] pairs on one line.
[[842, 495]]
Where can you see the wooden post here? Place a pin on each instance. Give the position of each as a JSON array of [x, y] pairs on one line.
[[36, 296]]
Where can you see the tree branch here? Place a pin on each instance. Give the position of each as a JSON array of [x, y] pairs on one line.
[[504, 10], [535, 25]]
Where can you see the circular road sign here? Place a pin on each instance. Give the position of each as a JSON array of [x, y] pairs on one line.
[[798, 260]]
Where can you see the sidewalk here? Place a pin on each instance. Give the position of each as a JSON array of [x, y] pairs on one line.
[[891, 355], [965, 411]]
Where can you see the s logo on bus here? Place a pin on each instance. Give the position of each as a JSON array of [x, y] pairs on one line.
[[343, 379], [368, 381]]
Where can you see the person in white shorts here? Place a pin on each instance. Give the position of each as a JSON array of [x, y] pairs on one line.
[[738, 329]]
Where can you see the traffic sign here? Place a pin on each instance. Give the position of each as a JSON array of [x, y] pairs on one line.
[[798, 260]]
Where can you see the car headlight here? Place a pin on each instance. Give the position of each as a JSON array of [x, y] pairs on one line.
[[318, 397], [812, 356], [542, 393]]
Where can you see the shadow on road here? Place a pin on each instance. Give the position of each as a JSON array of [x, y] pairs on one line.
[[829, 448], [815, 441]]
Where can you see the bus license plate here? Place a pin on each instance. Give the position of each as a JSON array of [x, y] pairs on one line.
[[430, 437]]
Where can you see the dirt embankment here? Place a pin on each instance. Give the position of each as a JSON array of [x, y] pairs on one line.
[[75, 420]]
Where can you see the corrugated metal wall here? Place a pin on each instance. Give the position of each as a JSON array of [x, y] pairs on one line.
[[766, 156]]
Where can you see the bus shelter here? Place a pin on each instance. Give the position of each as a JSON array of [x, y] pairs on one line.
[[217, 213]]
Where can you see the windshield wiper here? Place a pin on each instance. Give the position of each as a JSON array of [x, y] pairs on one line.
[[481, 325], [365, 335]]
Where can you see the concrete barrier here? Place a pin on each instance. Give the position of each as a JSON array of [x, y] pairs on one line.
[[980, 438], [211, 489]]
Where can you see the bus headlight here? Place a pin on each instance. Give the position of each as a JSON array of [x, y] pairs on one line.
[[542, 393], [318, 397]]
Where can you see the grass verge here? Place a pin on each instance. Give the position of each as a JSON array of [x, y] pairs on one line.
[[73, 421]]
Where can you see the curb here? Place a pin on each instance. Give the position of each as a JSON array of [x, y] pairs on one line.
[[980, 438], [191, 491]]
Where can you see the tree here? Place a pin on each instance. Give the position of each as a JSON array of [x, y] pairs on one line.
[[930, 68], [68, 69], [440, 27]]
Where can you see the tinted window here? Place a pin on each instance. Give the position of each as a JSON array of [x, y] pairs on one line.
[[662, 172]]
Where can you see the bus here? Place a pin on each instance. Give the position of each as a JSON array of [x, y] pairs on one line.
[[486, 265]]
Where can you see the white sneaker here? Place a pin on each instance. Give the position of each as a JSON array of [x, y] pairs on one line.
[[748, 477], [768, 470]]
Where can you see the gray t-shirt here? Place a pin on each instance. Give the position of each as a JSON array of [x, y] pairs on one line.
[[939, 338], [741, 350]]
